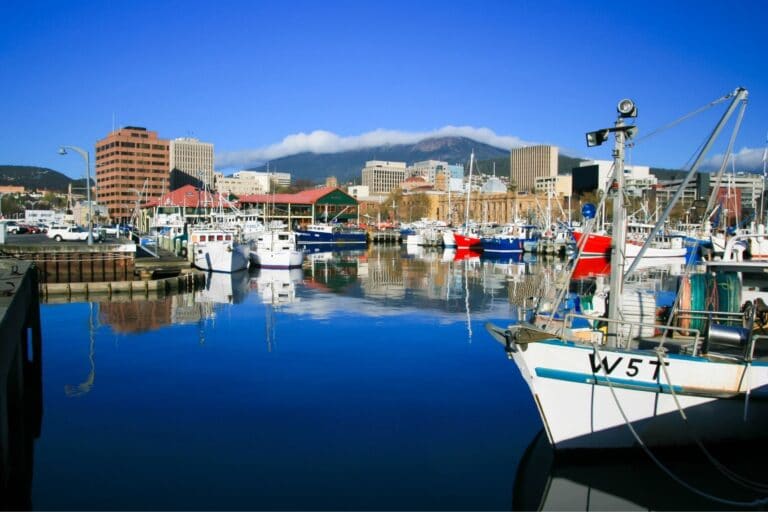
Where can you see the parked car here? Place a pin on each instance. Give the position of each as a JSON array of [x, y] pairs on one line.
[[71, 233], [107, 230], [13, 227]]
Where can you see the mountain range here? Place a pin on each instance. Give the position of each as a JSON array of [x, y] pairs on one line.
[[37, 178], [346, 166]]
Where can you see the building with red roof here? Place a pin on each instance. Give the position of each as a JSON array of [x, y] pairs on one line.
[[324, 204]]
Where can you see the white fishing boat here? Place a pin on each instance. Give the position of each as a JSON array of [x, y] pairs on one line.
[[217, 250], [606, 382], [275, 249]]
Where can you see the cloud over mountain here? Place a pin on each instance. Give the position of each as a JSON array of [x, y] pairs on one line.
[[321, 141], [746, 159]]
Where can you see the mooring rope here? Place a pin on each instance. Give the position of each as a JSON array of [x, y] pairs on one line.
[[732, 475], [660, 465]]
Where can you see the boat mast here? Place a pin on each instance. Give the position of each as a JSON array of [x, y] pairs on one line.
[[469, 191], [618, 235], [622, 132]]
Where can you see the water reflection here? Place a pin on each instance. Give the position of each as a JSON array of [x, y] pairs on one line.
[[603, 480], [276, 287], [370, 365]]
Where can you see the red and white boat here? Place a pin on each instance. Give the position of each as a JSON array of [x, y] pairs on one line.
[[467, 241], [600, 245]]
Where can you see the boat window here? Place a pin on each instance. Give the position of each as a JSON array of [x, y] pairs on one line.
[[228, 237], [219, 237]]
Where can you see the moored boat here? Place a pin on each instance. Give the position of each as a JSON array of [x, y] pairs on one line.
[[330, 234], [275, 249], [217, 250], [606, 381]]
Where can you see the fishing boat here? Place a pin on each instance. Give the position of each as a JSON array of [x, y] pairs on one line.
[[511, 240], [662, 246], [321, 233], [275, 249], [217, 250], [603, 381]]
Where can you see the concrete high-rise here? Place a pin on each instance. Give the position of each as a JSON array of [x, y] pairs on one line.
[[191, 163], [131, 167], [529, 163], [382, 177]]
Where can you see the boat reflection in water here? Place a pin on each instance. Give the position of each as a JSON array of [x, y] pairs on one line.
[[630, 480], [224, 288], [277, 286]]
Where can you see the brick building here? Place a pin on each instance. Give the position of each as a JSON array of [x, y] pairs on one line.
[[132, 167]]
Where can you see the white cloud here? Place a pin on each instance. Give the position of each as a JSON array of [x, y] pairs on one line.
[[746, 159], [321, 141]]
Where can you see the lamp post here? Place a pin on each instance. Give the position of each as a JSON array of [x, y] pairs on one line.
[[83, 153]]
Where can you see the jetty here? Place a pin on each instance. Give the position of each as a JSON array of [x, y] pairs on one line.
[[104, 270]]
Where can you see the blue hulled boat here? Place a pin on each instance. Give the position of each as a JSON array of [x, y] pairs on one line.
[[330, 234]]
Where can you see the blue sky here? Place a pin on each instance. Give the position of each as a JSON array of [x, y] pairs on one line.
[[262, 79]]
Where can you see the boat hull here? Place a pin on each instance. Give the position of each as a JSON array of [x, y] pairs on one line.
[[317, 237], [220, 257], [503, 244], [265, 258], [600, 245], [582, 398], [467, 241]]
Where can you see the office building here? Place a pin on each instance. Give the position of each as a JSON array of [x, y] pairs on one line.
[[529, 163], [191, 163], [382, 177], [131, 168]]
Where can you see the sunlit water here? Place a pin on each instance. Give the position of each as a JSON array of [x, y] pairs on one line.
[[365, 380]]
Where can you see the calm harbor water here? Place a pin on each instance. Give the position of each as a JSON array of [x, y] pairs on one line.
[[364, 380]]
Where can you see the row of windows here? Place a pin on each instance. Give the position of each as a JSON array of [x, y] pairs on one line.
[[140, 145]]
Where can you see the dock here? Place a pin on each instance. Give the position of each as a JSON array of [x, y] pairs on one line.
[[105, 270], [387, 236], [21, 389]]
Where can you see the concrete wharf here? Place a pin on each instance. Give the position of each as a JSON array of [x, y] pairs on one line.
[[66, 269], [21, 389]]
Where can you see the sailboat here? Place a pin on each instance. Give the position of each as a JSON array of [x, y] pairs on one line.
[[466, 238], [606, 382]]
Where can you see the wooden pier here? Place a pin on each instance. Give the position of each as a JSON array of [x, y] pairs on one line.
[[388, 236], [21, 391]]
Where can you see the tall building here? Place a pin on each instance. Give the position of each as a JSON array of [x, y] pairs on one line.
[[529, 163], [131, 167], [381, 177], [191, 163]]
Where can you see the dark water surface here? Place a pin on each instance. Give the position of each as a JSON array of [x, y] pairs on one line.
[[363, 381]]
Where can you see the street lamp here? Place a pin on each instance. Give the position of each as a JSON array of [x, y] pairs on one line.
[[84, 154]]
